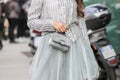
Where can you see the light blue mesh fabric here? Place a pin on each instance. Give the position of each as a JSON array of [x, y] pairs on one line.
[[77, 64]]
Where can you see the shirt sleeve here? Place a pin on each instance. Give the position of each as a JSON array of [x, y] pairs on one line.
[[35, 22], [83, 27]]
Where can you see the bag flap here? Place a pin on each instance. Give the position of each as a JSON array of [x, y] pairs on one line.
[[61, 39]]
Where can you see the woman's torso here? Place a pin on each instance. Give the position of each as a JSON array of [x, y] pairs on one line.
[[60, 10], [64, 11]]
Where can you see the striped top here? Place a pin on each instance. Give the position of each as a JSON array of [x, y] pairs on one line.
[[42, 14]]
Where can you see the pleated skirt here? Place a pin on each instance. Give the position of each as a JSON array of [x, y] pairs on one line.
[[78, 63]]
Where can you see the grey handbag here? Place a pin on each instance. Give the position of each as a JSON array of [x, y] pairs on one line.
[[60, 41]]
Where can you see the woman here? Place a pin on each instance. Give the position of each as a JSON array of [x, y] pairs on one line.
[[49, 16]]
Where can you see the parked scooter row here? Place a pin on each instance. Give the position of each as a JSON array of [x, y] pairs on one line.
[[97, 17]]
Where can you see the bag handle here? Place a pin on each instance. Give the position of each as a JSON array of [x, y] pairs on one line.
[[72, 25], [68, 27]]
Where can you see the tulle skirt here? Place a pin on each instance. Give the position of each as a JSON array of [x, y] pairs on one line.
[[78, 63]]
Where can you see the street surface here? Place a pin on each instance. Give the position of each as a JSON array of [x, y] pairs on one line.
[[15, 61]]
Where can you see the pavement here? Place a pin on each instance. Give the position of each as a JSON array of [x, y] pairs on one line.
[[15, 61]]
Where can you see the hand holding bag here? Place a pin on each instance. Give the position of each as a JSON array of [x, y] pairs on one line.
[[60, 41]]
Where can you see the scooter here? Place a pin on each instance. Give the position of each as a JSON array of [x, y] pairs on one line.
[[97, 17], [34, 40]]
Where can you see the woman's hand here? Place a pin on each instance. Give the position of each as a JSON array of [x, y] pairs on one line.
[[59, 27]]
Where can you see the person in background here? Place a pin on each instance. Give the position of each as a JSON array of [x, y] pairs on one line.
[[49, 63], [2, 20], [12, 10], [22, 24]]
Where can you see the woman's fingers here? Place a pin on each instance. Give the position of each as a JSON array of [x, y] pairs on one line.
[[65, 27], [59, 26], [62, 28]]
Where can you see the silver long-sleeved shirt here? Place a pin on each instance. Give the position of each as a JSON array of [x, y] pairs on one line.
[[42, 14]]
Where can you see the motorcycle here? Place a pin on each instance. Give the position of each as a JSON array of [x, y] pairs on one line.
[[97, 17]]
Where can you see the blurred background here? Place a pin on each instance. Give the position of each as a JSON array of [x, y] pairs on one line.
[[16, 49]]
